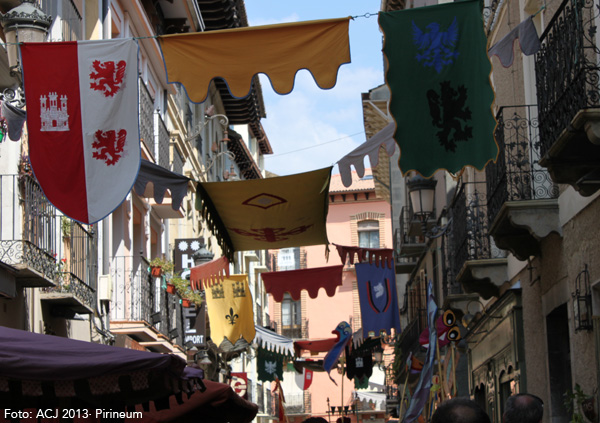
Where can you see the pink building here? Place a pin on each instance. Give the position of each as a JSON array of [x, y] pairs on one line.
[[356, 218]]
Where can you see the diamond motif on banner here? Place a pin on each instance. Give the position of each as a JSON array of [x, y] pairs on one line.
[[264, 201], [107, 77], [109, 146], [53, 117]]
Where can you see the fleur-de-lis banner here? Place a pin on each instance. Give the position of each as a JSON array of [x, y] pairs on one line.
[[272, 213], [82, 119], [269, 365], [229, 307], [439, 76]]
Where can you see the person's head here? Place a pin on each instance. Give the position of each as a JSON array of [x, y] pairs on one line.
[[523, 408], [459, 410], [315, 420]]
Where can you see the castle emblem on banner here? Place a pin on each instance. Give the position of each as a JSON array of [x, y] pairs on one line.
[[54, 118]]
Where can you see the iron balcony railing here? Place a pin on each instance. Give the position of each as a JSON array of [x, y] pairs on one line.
[[566, 68], [295, 404], [517, 174], [470, 227], [146, 117], [162, 146], [28, 226], [134, 290]]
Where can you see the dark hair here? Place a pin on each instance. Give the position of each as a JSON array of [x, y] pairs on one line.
[[523, 408], [459, 410], [315, 420]]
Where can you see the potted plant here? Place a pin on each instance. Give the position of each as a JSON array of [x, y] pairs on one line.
[[185, 291], [161, 266]]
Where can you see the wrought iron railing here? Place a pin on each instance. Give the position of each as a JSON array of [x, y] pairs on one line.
[[162, 141], [517, 174], [134, 289], [71, 28], [450, 284], [147, 118], [566, 68], [28, 225], [271, 402], [470, 229], [177, 161], [294, 403], [406, 217]]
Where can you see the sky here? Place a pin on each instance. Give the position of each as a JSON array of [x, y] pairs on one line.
[[311, 128]]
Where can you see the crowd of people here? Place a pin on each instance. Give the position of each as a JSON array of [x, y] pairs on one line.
[[519, 408]]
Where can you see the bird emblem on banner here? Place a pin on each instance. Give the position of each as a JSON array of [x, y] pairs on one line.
[[344, 333]]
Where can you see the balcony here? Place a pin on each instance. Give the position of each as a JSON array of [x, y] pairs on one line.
[[297, 403], [29, 241], [522, 204], [567, 89], [410, 243], [141, 308], [479, 266], [77, 277], [147, 120]]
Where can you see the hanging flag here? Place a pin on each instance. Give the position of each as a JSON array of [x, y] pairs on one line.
[[356, 158], [378, 298], [422, 390], [269, 365], [82, 118], [528, 38], [281, 416], [239, 383], [447, 330], [311, 280], [344, 334], [439, 77], [266, 214], [359, 365], [236, 55], [230, 313], [304, 379]]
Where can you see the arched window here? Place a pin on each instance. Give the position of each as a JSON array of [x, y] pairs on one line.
[[368, 234]]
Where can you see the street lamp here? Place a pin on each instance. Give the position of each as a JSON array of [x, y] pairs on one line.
[[422, 193], [202, 256], [24, 23]]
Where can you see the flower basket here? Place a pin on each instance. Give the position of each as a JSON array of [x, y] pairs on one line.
[[185, 302], [156, 271], [170, 288]]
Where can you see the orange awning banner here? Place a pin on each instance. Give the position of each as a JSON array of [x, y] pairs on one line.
[[236, 55], [266, 214]]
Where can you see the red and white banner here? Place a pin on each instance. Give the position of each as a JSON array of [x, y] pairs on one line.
[[82, 118], [305, 379]]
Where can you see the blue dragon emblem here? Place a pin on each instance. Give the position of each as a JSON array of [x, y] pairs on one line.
[[436, 48]]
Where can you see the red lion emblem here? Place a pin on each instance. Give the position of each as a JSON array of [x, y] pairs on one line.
[[109, 145], [107, 77]]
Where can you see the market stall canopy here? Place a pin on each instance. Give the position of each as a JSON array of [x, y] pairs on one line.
[[267, 214], [42, 370], [218, 404]]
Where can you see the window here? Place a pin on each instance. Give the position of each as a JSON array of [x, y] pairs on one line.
[[291, 317], [368, 234]]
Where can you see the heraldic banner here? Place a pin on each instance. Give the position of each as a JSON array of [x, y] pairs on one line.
[[82, 118], [439, 76], [229, 307], [378, 298], [269, 365]]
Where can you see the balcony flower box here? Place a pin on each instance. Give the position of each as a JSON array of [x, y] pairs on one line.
[[170, 288]]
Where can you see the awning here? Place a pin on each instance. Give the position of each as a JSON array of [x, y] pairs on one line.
[[218, 404], [40, 371], [162, 180], [311, 280]]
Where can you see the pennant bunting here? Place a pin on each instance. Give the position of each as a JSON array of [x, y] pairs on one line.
[[356, 158], [378, 298], [82, 119], [265, 214], [269, 365], [279, 51], [209, 274], [422, 390], [528, 38], [343, 332], [229, 307], [369, 255], [274, 342], [439, 77], [311, 280]]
